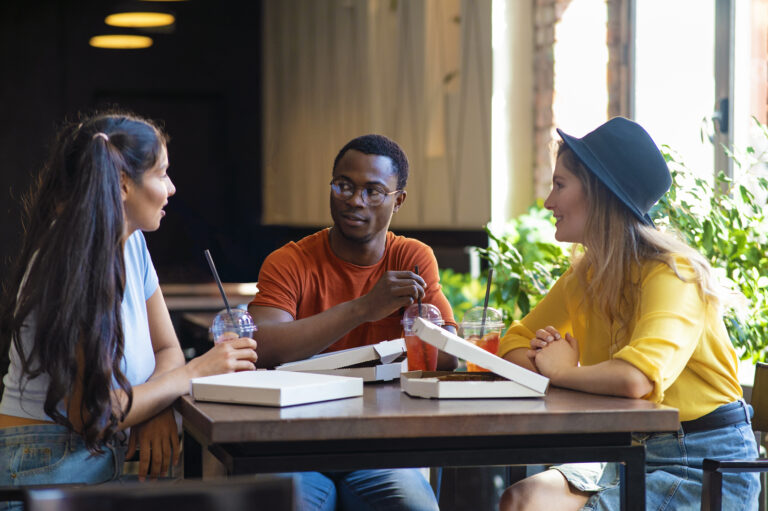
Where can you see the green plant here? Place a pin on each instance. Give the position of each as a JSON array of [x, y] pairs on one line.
[[526, 261], [724, 220], [463, 291]]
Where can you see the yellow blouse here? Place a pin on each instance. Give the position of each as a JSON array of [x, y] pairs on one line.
[[678, 341]]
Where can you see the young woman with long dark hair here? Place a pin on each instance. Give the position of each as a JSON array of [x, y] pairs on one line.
[[638, 314], [91, 345]]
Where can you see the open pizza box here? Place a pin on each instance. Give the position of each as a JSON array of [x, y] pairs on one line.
[[507, 380], [376, 362]]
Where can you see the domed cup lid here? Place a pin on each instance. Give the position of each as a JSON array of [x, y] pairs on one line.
[[238, 321], [473, 318], [428, 312]]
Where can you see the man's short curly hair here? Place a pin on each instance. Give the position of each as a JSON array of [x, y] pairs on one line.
[[381, 146]]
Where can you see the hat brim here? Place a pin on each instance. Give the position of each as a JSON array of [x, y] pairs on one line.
[[594, 165]]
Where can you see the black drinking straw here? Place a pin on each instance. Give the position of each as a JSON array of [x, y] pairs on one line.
[[485, 305], [218, 282], [416, 271]]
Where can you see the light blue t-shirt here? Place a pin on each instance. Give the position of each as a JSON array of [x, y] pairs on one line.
[[139, 359]]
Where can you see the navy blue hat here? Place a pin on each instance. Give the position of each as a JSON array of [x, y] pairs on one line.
[[622, 155]]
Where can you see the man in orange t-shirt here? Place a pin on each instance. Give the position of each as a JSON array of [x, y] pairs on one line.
[[344, 287]]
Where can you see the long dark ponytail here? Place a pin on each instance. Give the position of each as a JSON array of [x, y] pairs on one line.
[[70, 275]]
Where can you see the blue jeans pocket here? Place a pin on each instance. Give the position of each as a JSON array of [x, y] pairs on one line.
[[49, 454], [36, 457]]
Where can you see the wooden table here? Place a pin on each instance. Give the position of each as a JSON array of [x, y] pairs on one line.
[[387, 428], [180, 298]]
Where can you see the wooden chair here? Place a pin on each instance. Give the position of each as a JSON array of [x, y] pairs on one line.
[[235, 494], [712, 487]]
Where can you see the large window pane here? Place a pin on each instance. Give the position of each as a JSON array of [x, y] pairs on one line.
[[674, 76], [581, 57]]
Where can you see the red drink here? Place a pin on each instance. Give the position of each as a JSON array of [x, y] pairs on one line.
[[421, 356], [489, 342]]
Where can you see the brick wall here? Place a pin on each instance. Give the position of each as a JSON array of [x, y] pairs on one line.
[[619, 39], [546, 14]]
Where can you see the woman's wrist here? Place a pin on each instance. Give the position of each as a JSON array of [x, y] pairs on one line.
[[562, 376]]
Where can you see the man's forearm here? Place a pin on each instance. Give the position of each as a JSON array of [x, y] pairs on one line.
[[281, 342]]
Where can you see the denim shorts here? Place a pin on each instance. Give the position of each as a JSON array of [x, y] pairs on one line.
[[51, 454], [673, 471]]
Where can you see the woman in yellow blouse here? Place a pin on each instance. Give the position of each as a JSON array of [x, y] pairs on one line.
[[638, 314]]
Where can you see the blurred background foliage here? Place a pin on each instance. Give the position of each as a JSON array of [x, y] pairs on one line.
[[721, 217]]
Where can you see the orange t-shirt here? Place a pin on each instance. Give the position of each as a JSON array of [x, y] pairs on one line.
[[307, 278]]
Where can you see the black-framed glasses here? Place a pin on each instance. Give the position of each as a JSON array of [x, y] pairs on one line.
[[371, 195]]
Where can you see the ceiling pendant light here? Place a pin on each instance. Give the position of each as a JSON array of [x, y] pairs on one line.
[[139, 15], [121, 41], [140, 19]]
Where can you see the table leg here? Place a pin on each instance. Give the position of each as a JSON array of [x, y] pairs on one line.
[[633, 479], [193, 458]]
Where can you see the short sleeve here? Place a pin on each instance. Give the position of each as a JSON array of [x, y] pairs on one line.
[[143, 260], [280, 282], [670, 322]]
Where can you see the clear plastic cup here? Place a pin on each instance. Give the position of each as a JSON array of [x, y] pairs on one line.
[[421, 356], [237, 322], [485, 335]]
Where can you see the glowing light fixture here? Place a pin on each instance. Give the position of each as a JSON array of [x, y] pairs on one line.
[[140, 19], [121, 41]]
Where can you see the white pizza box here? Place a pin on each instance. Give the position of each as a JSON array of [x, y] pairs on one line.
[[370, 373], [274, 388], [507, 380], [374, 362], [385, 352]]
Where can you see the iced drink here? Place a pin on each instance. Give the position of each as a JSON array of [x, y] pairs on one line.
[[421, 355], [232, 325], [489, 342], [483, 334]]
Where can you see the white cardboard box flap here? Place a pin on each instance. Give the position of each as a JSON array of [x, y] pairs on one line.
[[378, 372], [389, 351], [385, 352], [455, 345], [444, 384], [274, 388]]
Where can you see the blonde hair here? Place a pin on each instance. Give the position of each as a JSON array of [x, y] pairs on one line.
[[608, 265]]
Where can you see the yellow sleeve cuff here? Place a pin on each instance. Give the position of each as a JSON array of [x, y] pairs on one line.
[[646, 366], [518, 336]]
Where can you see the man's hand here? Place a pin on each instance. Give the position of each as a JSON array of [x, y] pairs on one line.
[[394, 290], [158, 442]]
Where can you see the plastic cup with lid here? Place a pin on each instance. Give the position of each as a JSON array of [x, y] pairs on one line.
[[232, 324], [421, 356], [485, 335]]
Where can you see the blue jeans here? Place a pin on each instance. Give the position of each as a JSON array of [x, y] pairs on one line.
[[361, 490], [673, 471], [51, 454]]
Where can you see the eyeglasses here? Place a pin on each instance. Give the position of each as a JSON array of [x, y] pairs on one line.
[[370, 194]]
